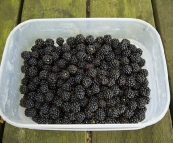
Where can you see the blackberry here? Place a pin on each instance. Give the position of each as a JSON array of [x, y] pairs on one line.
[[83, 102], [89, 39], [47, 67], [100, 114], [104, 65], [92, 106], [104, 80], [58, 121], [32, 61], [128, 113], [129, 93], [141, 102], [105, 49], [97, 46], [25, 81], [135, 58], [113, 112], [78, 79], [24, 69], [39, 42], [26, 55], [126, 53], [110, 56], [59, 49], [134, 119], [37, 105], [52, 78], [44, 88], [115, 89], [42, 120], [65, 48], [60, 83], [65, 96], [132, 105], [139, 51], [124, 100], [141, 63], [79, 88], [62, 63], [81, 64], [95, 89], [145, 91], [102, 103], [114, 43], [32, 72], [66, 56], [66, 107], [29, 103], [47, 59], [130, 82], [44, 109], [110, 103], [141, 116], [100, 55], [96, 62], [80, 94], [32, 87], [127, 69], [39, 97], [89, 58], [71, 41], [92, 72], [86, 82], [48, 50], [71, 81], [108, 94], [75, 107], [144, 72], [49, 97], [54, 112], [43, 82], [114, 74], [60, 41], [30, 112], [71, 116], [109, 120], [40, 63], [22, 102], [80, 116], [90, 49], [36, 80], [72, 69], [140, 78], [99, 40], [125, 44], [81, 56], [43, 74], [80, 39], [145, 82], [57, 101], [49, 42], [35, 48], [55, 69], [41, 52], [64, 74], [123, 120], [111, 82], [23, 89], [124, 61], [55, 56], [66, 87], [114, 63], [132, 48], [107, 39], [81, 47], [121, 108], [135, 67], [122, 80]]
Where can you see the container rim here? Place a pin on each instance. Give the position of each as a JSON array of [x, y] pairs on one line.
[[90, 126]]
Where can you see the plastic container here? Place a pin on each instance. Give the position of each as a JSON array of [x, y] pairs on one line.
[[139, 32]]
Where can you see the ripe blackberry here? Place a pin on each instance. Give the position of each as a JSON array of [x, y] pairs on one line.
[[105, 49], [37, 105], [123, 120], [126, 53], [80, 94], [48, 50], [95, 89], [52, 78], [65, 95], [43, 74], [49, 96], [107, 39], [32, 61], [25, 81], [60, 83], [111, 82], [89, 58], [89, 39], [72, 69], [39, 42], [26, 55], [141, 116], [90, 49], [47, 67], [145, 91], [81, 56], [55, 69], [127, 69], [132, 105], [66, 87], [92, 106], [44, 88], [134, 119], [104, 80], [92, 72], [144, 72], [124, 100], [114, 63], [80, 116], [60, 41], [36, 80], [114, 74], [71, 41], [135, 67], [122, 80], [114, 43], [66, 107], [78, 79], [80, 47], [100, 55], [104, 65], [32, 86], [124, 44], [135, 58], [132, 48], [75, 107], [30, 112], [65, 48], [124, 61], [102, 103], [43, 82], [32, 72], [24, 69], [121, 108], [96, 62], [23, 89], [64, 74], [57, 101], [140, 78], [49, 42], [130, 82], [44, 109], [80, 39], [79, 88], [113, 112], [128, 114], [99, 40], [141, 63], [39, 97], [62, 63], [110, 56], [115, 89], [129, 93], [59, 49], [22, 102], [40, 64], [47, 59], [55, 56], [35, 48], [108, 94], [54, 112], [100, 114], [81, 64], [110, 103], [29, 103], [145, 82], [139, 51], [109, 120], [86, 82], [66, 56], [141, 102]]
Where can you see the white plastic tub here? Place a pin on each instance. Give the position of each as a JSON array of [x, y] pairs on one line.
[[140, 33]]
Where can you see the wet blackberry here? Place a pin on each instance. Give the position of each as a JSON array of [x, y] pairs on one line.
[[64, 74], [26, 55], [52, 78], [110, 103], [114, 43], [104, 80], [60, 41], [66, 56], [81, 56], [30, 112], [95, 89], [86, 82], [128, 114], [121, 108], [145, 82], [78, 79], [141, 63], [89, 39], [47, 59], [92, 72], [49, 96], [71, 41], [80, 39], [75, 107], [49, 42], [62, 63], [141, 116], [104, 65]]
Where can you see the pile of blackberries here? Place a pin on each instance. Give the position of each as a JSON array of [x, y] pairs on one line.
[[84, 81]]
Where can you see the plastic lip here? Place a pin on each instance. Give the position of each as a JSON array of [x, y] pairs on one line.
[[91, 126]]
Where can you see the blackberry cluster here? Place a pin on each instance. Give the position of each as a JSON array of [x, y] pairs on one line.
[[84, 80]]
